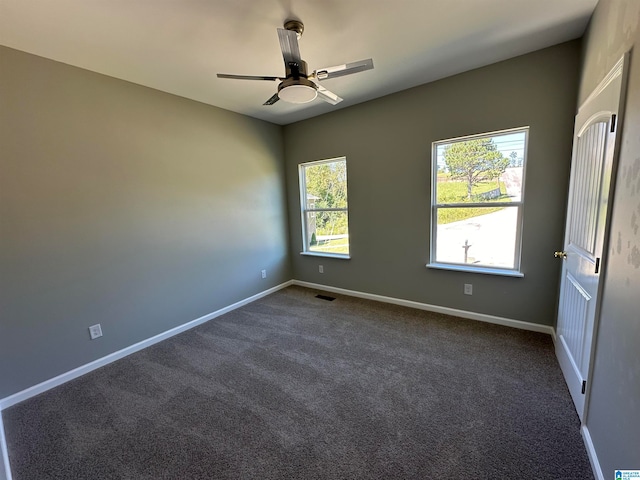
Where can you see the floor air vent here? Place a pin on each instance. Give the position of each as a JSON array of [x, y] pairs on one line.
[[326, 297]]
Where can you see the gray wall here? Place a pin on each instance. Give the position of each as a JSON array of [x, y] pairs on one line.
[[387, 143], [613, 410], [124, 206]]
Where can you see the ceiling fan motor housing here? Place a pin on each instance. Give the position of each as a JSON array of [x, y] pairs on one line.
[[297, 88], [296, 69]]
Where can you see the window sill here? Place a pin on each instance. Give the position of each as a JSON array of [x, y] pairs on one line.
[[470, 269], [326, 255]]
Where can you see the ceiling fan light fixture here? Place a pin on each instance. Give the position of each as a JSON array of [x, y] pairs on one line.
[[298, 93]]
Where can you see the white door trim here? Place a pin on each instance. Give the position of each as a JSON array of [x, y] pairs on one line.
[[5, 472]]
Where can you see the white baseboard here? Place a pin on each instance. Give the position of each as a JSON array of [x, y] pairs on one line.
[[534, 327], [77, 372], [5, 472], [591, 452]]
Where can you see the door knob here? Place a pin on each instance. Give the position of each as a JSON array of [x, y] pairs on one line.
[[562, 255]]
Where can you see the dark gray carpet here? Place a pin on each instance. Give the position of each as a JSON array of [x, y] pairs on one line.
[[295, 387]]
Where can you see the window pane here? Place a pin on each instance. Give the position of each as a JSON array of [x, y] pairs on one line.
[[328, 232], [481, 169], [482, 236], [327, 185]]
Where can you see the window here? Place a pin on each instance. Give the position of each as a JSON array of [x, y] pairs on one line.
[[477, 198], [323, 200]]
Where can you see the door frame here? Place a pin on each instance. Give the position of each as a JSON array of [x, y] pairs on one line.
[[5, 471], [620, 69]]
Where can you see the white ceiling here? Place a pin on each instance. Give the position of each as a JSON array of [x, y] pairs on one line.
[[178, 46]]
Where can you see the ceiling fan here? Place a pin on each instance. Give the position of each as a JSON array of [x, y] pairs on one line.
[[298, 86]]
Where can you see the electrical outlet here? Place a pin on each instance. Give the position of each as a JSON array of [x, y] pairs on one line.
[[320, 268], [95, 331], [264, 274], [468, 289]]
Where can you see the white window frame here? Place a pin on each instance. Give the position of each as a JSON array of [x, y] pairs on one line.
[[435, 206], [304, 210]]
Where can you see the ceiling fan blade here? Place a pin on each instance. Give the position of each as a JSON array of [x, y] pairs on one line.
[[272, 100], [248, 77], [328, 96], [342, 70], [289, 46]]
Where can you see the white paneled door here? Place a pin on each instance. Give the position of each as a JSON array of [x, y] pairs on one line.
[[594, 152]]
